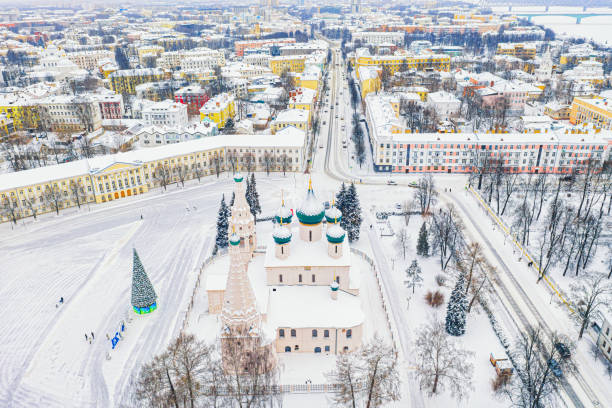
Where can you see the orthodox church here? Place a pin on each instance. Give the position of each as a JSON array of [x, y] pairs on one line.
[[306, 297]]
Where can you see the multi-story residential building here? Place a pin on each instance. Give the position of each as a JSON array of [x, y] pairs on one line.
[[90, 60], [165, 113], [241, 46], [7, 127], [64, 113], [111, 177], [174, 59], [111, 105], [297, 118], [290, 63], [303, 48], [149, 50], [586, 71], [125, 81], [152, 136], [581, 52], [303, 98], [396, 149], [260, 59], [506, 95], [369, 80], [557, 111], [158, 91], [219, 109], [192, 96], [518, 50], [22, 110], [592, 109], [445, 104], [244, 71], [393, 63], [201, 63], [379, 37]]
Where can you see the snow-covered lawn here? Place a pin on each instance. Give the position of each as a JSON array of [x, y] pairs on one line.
[[479, 337]]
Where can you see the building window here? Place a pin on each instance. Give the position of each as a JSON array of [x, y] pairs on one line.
[[288, 349], [281, 333], [292, 332], [349, 333], [338, 280], [317, 349], [326, 333], [345, 349], [300, 278], [327, 348], [280, 278], [314, 333], [310, 236], [313, 277]]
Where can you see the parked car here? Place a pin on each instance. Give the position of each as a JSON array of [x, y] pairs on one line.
[[563, 350], [391, 182], [398, 206], [413, 184], [327, 205], [555, 367]]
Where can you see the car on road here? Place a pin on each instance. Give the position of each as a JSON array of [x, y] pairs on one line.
[[555, 367], [391, 182], [398, 206], [563, 350], [413, 184]]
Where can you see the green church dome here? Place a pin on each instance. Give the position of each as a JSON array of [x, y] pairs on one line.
[[311, 211], [238, 177], [283, 215], [333, 215], [335, 234], [234, 239], [282, 235]]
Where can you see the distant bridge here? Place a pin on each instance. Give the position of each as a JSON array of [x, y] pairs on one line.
[[576, 15]]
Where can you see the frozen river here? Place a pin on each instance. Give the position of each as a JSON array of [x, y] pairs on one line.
[[592, 28]]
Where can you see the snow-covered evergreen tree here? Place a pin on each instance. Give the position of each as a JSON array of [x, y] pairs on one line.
[[351, 216], [222, 225], [143, 294], [456, 310], [413, 276], [423, 242], [252, 196], [340, 196]]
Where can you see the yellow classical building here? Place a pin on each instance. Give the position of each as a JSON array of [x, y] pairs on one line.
[[219, 109], [23, 113], [125, 80], [592, 109], [519, 50], [394, 63], [107, 178], [291, 63], [369, 81]]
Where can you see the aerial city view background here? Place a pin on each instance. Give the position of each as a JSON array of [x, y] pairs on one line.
[[273, 203]]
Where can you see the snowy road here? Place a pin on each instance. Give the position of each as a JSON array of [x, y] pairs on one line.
[[86, 258]]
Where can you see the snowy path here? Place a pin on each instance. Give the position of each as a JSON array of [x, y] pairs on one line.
[[404, 328]]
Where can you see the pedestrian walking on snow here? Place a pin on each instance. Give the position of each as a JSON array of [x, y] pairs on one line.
[[61, 300], [92, 336], [86, 338]]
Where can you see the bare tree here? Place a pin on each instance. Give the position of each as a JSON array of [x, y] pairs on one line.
[[402, 241], [196, 168], [366, 377], [407, 208], [413, 276], [53, 197], [591, 294], [30, 204], [268, 160], [447, 233], [249, 161], [162, 175], [535, 381], [233, 160], [10, 209], [181, 171], [440, 363], [77, 192], [425, 193], [284, 163], [216, 161]]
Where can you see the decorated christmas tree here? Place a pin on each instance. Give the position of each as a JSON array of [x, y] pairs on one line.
[[455, 312], [144, 299], [423, 244]]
